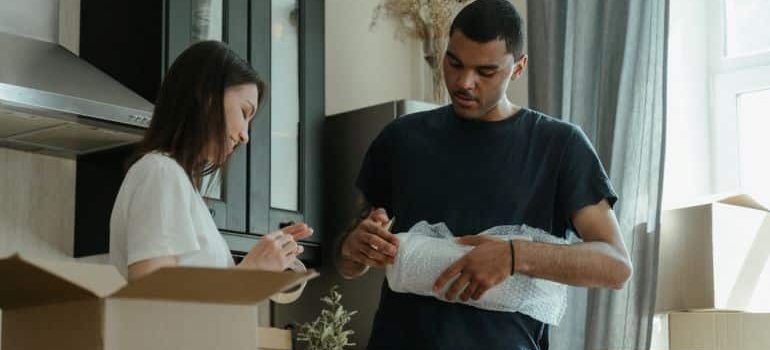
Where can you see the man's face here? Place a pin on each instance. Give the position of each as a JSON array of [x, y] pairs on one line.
[[477, 74]]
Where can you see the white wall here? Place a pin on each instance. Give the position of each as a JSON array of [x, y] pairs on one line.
[[688, 135], [518, 91], [37, 19], [367, 66]]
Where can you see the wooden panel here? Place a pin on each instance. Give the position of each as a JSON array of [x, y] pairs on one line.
[[37, 204], [69, 25]]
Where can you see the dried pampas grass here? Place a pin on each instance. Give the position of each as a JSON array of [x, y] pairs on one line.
[[427, 21]]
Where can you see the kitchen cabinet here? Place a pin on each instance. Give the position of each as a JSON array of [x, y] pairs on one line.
[[274, 180], [285, 157]]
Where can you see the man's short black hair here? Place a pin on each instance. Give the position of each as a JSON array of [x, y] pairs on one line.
[[486, 20]]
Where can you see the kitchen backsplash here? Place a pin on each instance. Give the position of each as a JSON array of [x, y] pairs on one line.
[[37, 204]]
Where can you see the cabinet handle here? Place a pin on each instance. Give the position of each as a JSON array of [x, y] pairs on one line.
[[213, 212], [285, 224]]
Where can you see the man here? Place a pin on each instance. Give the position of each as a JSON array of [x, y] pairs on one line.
[[482, 162]]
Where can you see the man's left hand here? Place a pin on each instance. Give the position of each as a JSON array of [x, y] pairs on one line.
[[480, 269]]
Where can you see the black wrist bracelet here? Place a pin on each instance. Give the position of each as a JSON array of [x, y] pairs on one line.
[[513, 259]]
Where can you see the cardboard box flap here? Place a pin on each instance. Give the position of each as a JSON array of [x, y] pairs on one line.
[[212, 285], [731, 198], [28, 282], [101, 279], [711, 311], [744, 200]]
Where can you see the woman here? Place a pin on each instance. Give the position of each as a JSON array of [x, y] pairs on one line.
[[203, 111]]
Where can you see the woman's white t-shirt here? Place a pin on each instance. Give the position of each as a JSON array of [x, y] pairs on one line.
[[159, 213]]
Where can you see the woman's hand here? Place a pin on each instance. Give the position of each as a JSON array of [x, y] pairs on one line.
[[298, 231], [276, 250]]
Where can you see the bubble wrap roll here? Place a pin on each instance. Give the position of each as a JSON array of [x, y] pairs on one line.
[[425, 251]]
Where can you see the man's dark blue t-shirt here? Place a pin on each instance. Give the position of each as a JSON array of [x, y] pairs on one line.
[[472, 175]]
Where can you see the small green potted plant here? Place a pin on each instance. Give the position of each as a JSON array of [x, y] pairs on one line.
[[328, 332]]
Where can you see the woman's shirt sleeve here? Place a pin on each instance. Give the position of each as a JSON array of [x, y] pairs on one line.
[[159, 221]]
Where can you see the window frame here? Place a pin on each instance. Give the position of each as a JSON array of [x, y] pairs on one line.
[[729, 77]]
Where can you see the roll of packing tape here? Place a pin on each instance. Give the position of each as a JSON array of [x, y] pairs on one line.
[[291, 295]]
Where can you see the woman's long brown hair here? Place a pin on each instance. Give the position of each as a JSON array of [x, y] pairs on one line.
[[188, 122]]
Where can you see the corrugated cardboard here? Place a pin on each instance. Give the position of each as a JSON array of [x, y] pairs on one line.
[[715, 255], [713, 330], [83, 306]]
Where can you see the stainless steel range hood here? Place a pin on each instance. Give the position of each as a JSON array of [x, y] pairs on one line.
[[53, 102]]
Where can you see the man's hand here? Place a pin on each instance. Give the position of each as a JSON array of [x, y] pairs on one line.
[[479, 270], [370, 243]]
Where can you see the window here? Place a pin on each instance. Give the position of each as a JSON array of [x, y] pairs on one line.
[[718, 127], [753, 112], [718, 136], [741, 95], [285, 104], [747, 27]]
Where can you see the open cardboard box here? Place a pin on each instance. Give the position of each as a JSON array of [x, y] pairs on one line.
[[66, 305], [715, 254], [711, 330]]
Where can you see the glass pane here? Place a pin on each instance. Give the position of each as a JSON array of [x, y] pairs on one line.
[[754, 124], [748, 26], [206, 20], [211, 186], [284, 98]]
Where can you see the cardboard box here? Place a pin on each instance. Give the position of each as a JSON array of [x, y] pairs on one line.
[[712, 330], [659, 337], [68, 305], [274, 338], [715, 255]]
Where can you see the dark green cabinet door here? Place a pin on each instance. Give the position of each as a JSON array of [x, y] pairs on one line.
[[189, 21], [276, 179], [285, 170]]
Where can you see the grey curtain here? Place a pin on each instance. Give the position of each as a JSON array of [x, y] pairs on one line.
[[601, 64]]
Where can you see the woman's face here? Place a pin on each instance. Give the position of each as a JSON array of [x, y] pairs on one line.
[[240, 107]]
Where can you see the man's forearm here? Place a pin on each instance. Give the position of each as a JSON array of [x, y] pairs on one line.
[[588, 264], [350, 269], [346, 267]]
